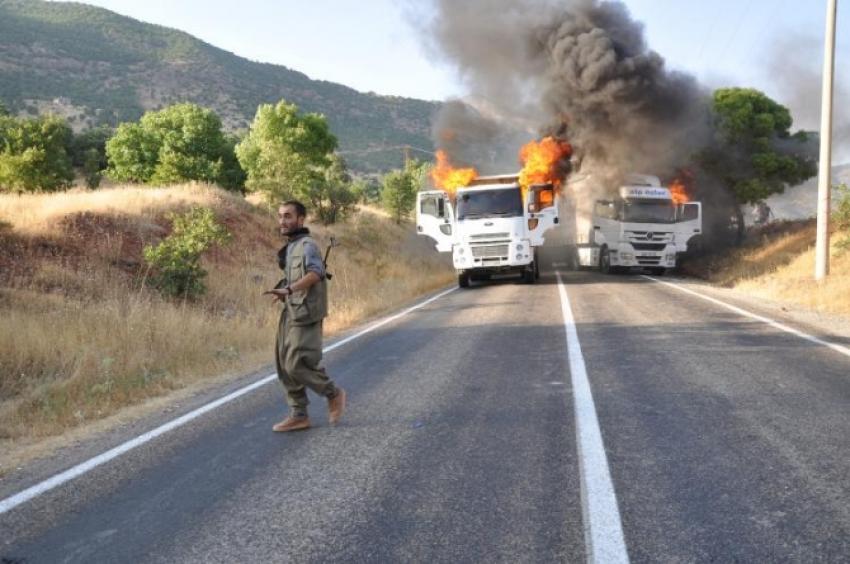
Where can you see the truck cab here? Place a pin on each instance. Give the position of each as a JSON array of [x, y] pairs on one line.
[[643, 228], [490, 227]]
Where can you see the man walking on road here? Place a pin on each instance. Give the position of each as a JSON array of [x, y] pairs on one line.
[[304, 294]]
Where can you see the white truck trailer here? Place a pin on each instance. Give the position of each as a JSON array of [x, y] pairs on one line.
[[489, 227], [643, 228]]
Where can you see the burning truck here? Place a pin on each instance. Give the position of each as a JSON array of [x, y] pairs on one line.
[[494, 224], [647, 226]]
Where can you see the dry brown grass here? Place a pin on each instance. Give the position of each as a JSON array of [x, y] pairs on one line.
[[82, 335], [779, 265]]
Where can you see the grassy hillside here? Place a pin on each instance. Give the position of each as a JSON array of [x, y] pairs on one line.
[[95, 66], [83, 335], [778, 263]]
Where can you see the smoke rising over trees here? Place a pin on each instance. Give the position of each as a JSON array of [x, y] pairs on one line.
[[582, 64], [581, 69], [795, 64]]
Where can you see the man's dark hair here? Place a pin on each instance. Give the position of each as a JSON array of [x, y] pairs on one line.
[[300, 209]]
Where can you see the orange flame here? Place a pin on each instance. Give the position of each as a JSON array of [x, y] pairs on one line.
[[679, 192], [540, 162], [449, 178]]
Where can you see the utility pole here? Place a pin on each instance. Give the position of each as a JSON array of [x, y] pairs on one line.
[[825, 167], [406, 156]]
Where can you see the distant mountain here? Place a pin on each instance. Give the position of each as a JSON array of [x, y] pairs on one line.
[[95, 66]]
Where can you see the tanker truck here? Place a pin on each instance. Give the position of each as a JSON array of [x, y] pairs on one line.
[[491, 226]]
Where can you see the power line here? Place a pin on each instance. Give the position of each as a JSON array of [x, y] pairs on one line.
[[384, 149], [743, 13]]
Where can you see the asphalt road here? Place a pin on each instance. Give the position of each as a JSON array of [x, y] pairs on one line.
[[727, 440]]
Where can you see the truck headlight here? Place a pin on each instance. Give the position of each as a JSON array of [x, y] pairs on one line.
[[460, 250], [519, 247], [671, 257], [626, 256]]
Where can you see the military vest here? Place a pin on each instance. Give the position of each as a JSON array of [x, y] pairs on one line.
[[309, 306]]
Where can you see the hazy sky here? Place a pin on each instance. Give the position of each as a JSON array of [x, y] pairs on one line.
[[374, 45]]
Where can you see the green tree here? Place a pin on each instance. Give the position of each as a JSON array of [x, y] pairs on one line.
[[132, 153], [176, 144], [176, 261], [754, 153], [368, 190], [87, 151], [81, 143], [400, 187], [93, 168], [286, 153], [333, 197], [33, 155], [232, 175]]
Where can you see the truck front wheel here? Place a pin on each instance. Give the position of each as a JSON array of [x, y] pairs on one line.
[[463, 279]]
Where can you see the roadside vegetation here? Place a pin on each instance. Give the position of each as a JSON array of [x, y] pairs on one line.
[[100, 68], [85, 334], [777, 262], [112, 296]]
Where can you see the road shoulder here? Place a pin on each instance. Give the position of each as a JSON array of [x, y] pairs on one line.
[[26, 463], [827, 326]]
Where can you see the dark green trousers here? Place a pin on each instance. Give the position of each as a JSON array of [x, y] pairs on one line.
[[299, 352]]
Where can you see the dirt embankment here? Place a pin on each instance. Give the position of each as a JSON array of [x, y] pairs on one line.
[[777, 263], [83, 335]]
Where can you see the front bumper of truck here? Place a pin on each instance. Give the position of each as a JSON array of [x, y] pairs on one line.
[[626, 255], [493, 256]]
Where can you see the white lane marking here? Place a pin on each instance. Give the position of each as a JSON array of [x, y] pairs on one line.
[[80, 469], [781, 326], [603, 530]]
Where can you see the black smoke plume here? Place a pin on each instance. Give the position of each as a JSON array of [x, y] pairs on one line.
[[579, 69]]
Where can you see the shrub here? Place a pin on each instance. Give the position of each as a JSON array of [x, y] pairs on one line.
[[33, 155], [92, 169], [176, 260], [841, 216]]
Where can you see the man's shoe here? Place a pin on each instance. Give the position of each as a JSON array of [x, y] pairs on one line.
[[336, 406], [292, 424]]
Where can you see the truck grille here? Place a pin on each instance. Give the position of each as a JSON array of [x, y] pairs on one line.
[[490, 251], [648, 237], [649, 246], [479, 236], [649, 261]]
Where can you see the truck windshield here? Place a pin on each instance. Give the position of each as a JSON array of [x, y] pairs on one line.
[[649, 211], [489, 203]]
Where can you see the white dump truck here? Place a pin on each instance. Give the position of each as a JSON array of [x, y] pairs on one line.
[[489, 227], [643, 228]]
